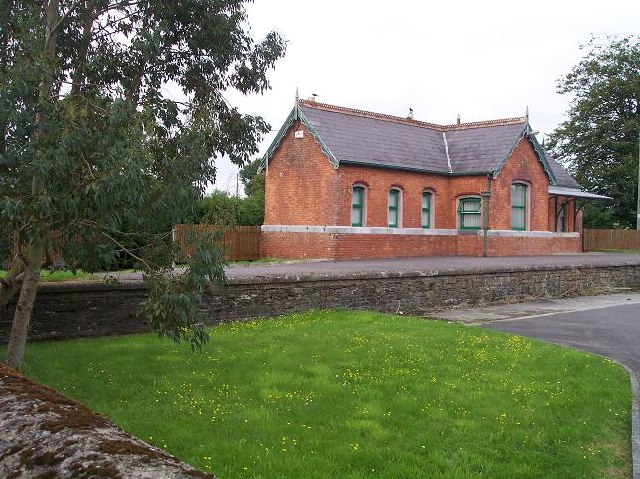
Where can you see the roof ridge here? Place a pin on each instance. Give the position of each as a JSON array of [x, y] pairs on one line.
[[368, 114], [410, 121], [479, 124]]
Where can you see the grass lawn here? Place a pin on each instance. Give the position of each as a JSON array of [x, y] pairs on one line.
[[46, 275], [354, 395]]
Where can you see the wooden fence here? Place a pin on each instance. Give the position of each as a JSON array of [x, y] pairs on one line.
[[10, 248], [239, 243], [601, 240]]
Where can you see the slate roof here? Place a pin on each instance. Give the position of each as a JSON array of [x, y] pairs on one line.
[[378, 142], [359, 137], [563, 178]]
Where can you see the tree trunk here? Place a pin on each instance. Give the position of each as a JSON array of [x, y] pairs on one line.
[[9, 285], [35, 250], [79, 75], [22, 315]]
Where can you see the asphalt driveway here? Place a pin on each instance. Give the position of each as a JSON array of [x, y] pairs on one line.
[[612, 331]]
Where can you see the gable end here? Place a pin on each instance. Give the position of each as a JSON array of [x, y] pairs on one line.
[[527, 133], [297, 114]]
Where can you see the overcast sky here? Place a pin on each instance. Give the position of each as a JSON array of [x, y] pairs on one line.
[[481, 59]]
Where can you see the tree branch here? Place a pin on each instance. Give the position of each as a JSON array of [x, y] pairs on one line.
[[57, 25], [118, 244]]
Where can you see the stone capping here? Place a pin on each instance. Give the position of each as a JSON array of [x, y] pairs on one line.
[[530, 234], [92, 285], [360, 230], [380, 230], [460, 271], [45, 434], [136, 284]]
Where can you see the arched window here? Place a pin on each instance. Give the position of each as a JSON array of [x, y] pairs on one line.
[[395, 208], [519, 206], [358, 205], [427, 209], [469, 213]]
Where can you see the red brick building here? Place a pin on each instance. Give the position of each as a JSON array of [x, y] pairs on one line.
[[344, 183]]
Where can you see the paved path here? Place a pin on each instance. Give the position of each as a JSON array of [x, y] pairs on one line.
[[609, 326], [438, 263], [432, 263]]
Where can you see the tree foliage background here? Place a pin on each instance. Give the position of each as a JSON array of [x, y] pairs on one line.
[[112, 113], [599, 140], [220, 208]]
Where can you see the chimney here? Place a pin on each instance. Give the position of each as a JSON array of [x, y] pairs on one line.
[[313, 97], [458, 120]]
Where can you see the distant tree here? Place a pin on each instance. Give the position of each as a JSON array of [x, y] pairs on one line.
[[220, 209], [599, 140], [252, 180], [251, 210], [111, 116]]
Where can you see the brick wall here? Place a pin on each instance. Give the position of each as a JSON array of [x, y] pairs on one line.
[[342, 246], [82, 310], [301, 185], [303, 188], [533, 246], [522, 166], [297, 245], [379, 181], [350, 246]]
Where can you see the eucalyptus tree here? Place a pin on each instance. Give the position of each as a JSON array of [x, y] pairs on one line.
[[112, 113]]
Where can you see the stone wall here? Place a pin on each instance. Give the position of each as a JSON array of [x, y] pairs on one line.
[[102, 309], [75, 309], [416, 293], [47, 435]]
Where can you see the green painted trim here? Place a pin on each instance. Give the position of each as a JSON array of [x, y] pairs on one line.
[[519, 207], [284, 129], [323, 146], [359, 206], [526, 132], [426, 210], [469, 212], [542, 157], [369, 164], [514, 228], [296, 114], [395, 209]]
